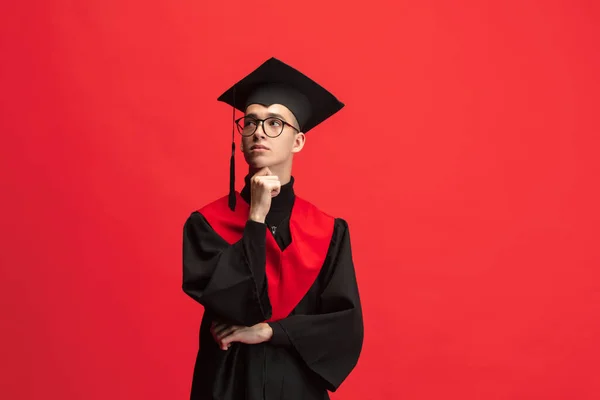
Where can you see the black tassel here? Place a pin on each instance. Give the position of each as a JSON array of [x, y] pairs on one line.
[[232, 178]]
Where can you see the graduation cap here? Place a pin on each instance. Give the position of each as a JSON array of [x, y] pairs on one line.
[[275, 82]]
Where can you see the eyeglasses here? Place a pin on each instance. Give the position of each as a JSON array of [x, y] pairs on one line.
[[272, 126]]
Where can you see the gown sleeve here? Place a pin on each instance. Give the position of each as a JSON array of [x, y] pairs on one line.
[[330, 341], [227, 279]]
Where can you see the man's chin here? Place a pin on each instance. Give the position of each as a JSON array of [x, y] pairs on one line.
[[257, 163]]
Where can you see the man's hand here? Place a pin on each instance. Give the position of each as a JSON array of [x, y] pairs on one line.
[[263, 187], [225, 334]]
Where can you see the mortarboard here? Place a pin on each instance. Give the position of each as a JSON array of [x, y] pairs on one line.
[[275, 82]]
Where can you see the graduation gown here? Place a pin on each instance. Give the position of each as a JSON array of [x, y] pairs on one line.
[[314, 346]]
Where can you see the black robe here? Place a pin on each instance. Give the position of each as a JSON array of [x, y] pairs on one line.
[[312, 350]]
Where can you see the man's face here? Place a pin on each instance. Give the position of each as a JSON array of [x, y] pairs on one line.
[[261, 150]]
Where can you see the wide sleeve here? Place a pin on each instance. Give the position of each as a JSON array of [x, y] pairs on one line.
[[330, 341], [227, 279]]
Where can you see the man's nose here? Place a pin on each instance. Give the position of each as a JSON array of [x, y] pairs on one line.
[[260, 130]]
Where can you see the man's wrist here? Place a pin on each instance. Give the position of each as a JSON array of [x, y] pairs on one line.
[[257, 218]]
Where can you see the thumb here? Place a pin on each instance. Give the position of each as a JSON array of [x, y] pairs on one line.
[[264, 172]]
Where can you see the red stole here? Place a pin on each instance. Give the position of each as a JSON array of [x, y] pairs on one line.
[[290, 273]]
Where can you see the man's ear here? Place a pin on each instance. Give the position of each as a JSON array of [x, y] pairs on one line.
[[299, 141]]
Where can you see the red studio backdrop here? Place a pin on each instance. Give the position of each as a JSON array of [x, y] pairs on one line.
[[465, 163]]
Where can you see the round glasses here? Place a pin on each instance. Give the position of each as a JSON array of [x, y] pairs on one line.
[[272, 126]]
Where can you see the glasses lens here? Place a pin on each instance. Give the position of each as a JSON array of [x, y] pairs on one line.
[[273, 126], [247, 126]]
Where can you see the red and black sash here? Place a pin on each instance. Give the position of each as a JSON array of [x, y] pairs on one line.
[[291, 272]]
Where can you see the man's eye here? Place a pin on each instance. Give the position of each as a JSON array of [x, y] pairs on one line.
[[249, 122], [275, 123]]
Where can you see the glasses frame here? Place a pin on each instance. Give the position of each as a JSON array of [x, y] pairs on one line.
[[262, 123]]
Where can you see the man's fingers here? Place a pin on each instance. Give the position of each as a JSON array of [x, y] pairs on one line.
[[227, 332], [269, 185], [225, 343], [219, 327], [273, 187], [234, 336], [214, 333], [225, 347], [260, 180], [276, 188], [219, 332]]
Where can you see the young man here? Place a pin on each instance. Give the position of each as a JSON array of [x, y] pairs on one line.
[[282, 315]]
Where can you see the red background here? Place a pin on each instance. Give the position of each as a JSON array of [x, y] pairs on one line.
[[465, 162]]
